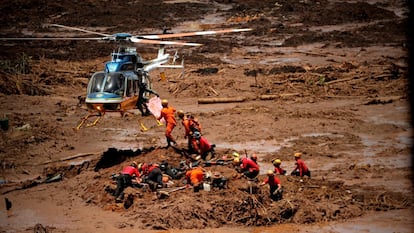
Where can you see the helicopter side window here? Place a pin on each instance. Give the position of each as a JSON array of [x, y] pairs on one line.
[[111, 66], [127, 66]]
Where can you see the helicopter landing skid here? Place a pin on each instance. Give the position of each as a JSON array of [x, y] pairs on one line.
[[86, 118], [145, 129]]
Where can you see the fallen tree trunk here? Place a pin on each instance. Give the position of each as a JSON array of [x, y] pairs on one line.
[[271, 97], [383, 100], [221, 100]]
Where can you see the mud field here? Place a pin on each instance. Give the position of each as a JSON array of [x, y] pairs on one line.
[[325, 78]]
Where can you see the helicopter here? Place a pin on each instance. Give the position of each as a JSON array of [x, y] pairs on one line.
[[124, 84]]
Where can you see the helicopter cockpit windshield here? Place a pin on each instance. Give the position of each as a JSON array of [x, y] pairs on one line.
[[113, 83], [96, 83], [121, 84]]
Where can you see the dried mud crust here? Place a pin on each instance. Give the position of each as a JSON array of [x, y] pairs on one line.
[[41, 103]]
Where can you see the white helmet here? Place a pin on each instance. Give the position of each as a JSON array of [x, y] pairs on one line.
[[197, 134]]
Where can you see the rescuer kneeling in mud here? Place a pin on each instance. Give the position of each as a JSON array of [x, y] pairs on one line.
[[278, 169], [247, 166], [195, 177], [154, 177], [275, 186], [301, 169], [125, 180], [203, 147]]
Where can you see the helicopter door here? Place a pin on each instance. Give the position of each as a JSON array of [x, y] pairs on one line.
[[131, 87], [147, 80]]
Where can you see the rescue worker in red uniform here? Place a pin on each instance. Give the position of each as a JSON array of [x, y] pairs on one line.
[[254, 158], [195, 177], [301, 169], [275, 186], [168, 112], [247, 166], [202, 146], [125, 180], [278, 169], [154, 177]]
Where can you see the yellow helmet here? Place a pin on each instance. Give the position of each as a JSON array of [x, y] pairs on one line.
[[236, 160], [236, 155], [277, 161], [164, 102], [298, 155], [180, 113], [270, 173]]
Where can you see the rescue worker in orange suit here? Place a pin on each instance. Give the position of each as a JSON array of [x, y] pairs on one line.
[[191, 125], [168, 112], [278, 169], [185, 121], [247, 166], [195, 177], [154, 177], [202, 146], [125, 180], [301, 169], [275, 186]]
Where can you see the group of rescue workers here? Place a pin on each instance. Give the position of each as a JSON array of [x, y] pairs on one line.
[[197, 143], [157, 175]]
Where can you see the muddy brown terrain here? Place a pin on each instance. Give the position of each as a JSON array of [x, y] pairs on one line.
[[326, 78]]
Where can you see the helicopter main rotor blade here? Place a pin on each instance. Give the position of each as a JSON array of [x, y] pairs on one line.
[[144, 41], [50, 38], [165, 36], [77, 29]]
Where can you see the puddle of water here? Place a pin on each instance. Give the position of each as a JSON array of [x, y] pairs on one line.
[[322, 134], [373, 146], [276, 61], [269, 146], [237, 61], [405, 140], [379, 119], [257, 146], [264, 166], [384, 117]]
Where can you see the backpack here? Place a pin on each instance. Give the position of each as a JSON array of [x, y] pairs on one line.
[[194, 124]]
